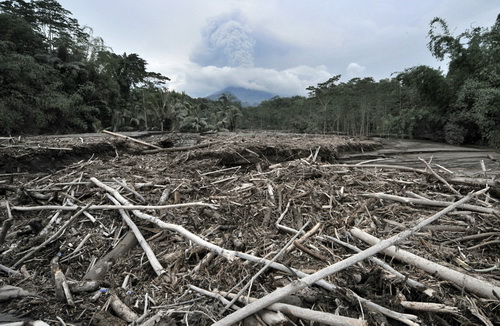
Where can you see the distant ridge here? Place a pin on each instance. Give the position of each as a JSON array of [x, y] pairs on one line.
[[247, 97]]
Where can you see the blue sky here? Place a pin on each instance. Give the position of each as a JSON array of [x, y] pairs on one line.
[[279, 46]]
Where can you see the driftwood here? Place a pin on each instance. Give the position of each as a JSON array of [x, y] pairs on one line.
[[99, 270], [52, 238], [435, 203], [479, 182], [61, 287], [158, 268], [110, 207], [268, 317], [230, 255], [131, 139], [6, 224], [122, 310], [9, 271], [266, 266], [178, 149], [307, 314], [8, 292], [311, 279], [428, 306], [440, 178], [479, 287], [386, 266]]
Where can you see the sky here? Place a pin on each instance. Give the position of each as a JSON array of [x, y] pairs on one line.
[[278, 46]]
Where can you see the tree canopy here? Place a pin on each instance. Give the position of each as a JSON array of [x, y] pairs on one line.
[[57, 77], [459, 106]]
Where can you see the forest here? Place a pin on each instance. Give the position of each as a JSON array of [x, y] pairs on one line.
[[56, 77]]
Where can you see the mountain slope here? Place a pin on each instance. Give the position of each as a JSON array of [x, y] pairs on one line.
[[247, 97]]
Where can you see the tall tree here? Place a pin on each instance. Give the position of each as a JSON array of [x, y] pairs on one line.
[[474, 76]]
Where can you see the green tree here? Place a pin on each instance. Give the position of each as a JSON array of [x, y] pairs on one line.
[[474, 76], [228, 114]]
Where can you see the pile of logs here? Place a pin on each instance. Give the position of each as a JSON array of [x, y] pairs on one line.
[[169, 238]]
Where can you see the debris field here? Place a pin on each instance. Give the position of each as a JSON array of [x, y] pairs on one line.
[[242, 229]]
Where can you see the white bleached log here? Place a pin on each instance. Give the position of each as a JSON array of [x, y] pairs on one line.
[[481, 288]]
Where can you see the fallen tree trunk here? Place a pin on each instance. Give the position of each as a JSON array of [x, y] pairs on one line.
[[230, 255], [99, 270], [479, 287], [435, 203], [298, 285]]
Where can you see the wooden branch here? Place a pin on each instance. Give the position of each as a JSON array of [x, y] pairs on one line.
[[307, 314], [111, 207], [267, 315], [378, 166], [429, 202], [311, 253], [178, 149], [311, 279], [478, 182], [440, 178], [305, 236], [99, 270], [384, 265], [481, 182], [61, 287], [52, 238], [479, 287], [9, 292], [6, 224], [83, 286], [126, 186], [9, 271], [472, 237], [37, 147], [266, 266], [122, 310], [157, 267], [230, 254], [429, 306], [131, 139]]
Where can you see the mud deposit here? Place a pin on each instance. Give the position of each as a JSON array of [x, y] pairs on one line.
[[214, 209]]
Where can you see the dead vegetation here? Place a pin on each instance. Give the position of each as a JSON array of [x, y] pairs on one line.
[[107, 231]]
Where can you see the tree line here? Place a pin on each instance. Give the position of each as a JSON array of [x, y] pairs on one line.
[[57, 77], [461, 106]]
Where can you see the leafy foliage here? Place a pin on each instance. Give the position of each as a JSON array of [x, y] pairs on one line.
[[56, 77], [461, 106]]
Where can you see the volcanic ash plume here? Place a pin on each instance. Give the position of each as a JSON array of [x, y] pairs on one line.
[[232, 40]]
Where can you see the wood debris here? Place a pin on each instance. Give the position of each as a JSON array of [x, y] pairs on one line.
[[262, 229]]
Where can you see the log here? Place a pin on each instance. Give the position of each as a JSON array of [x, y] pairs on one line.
[[99, 270], [131, 139], [429, 202], [122, 310], [51, 238], [230, 255], [429, 306], [8, 292], [110, 207], [479, 287], [306, 314], [313, 278], [6, 224], [178, 149], [157, 267]]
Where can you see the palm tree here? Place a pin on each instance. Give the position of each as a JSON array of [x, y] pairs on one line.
[[228, 114]]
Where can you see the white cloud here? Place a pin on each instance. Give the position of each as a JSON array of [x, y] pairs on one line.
[[202, 81], [354, 70], [280, 46]]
